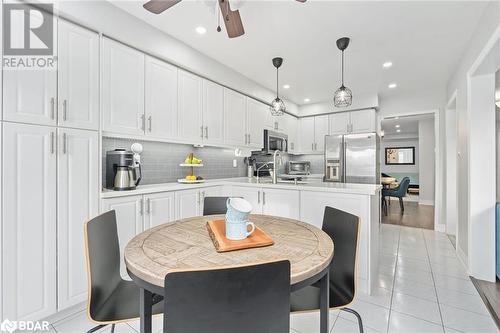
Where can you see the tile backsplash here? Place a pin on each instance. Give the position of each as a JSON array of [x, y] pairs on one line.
[[160, 160]]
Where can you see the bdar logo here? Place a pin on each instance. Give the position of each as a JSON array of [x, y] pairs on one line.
[[8, 326]]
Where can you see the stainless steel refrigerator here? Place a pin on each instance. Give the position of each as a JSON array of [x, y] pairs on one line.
[[352, 158]]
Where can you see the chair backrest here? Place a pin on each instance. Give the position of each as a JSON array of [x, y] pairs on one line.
[[246, 299], [215, 205], [343, 229], [103, 259], [403, 186]]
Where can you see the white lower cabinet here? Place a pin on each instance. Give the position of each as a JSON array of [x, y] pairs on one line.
[[29, 222], [250, 194], [77, 202], [284, 203], [160, 208], [188, 203]]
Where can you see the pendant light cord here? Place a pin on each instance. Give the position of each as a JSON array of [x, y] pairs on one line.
[[342, 68], [277, 82]]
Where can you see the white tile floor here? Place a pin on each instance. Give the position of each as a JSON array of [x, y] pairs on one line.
[[422, 287]]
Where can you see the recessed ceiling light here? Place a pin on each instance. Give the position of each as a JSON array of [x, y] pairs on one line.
[[398, 130], [306, 100], [387, 64], [286, 86], [398, 126], [201, 30], [392, 86]]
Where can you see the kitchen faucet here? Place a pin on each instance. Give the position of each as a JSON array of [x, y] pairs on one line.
[[258, 169], [275, 171]]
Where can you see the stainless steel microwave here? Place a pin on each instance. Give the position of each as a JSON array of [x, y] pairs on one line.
[[275, 141], [299, 167]]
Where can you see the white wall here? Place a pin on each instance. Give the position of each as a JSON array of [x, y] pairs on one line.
[[363, 101], [426, 144], [451, 171], [458, 83], [103, 17], [418, 101], [388, 142]]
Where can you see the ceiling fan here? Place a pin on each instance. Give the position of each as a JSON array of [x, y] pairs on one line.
[[232, 18]]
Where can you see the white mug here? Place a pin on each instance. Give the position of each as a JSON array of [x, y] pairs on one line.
[[238, 230], [237, 222]]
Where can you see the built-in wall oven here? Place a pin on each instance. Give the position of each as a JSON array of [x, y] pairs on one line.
[[275, 141]]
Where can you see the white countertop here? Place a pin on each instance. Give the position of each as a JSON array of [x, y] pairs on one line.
[[312, 185]]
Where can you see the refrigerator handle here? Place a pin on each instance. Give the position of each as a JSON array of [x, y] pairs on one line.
[[344, 160]]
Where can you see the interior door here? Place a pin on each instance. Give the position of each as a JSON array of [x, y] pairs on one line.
[[29, 221], [213, 112], [190, 107], [161, 98], [129, 221], [235, 122], [122, 89], [160, 209], [77, 202], [78, 77]]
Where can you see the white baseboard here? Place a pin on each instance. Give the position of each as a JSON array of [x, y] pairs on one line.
[[463, 259], [440, 227], [426, 202]]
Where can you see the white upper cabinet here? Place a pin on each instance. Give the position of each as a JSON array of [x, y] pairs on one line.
[[257, 113], [122, 89], [129, 221], [190, 107], [213, 112], [78, 77], [30, 96], [320, 130], [363, 121], [339, 123], [77, 202], [161, 99], [159, 209], [29, 222], [306, 134], [291, 129], [235, 128]]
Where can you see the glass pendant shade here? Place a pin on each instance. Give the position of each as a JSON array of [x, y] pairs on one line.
[[342, 97], [277, 107]]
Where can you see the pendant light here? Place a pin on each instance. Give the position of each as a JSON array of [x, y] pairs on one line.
[[343, 95], [277, 106]]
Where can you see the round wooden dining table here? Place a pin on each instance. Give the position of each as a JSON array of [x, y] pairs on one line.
[[186, 245]]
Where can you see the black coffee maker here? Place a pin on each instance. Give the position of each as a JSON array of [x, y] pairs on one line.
[[122, 172]]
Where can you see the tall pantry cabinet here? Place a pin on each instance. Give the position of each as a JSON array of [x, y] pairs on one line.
[[50, 181]]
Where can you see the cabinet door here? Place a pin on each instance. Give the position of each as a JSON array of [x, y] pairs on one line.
[[257, 113], [129, 221], [77, 202], [339, 123], [29, 222], [284, 203], [78, 80], [122, 89], [187, 203], [214, 191], [161, 99], [306, 134], [29, 96], [363, 121], [235, 127], [213, 112], [320, 130], [190, 107], [160, 208], [291, 129], [252, 195]]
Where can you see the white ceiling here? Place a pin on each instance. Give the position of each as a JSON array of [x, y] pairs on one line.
[[407, 125], [424, 40]]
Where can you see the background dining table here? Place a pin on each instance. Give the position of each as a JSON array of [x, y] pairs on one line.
[[186, 245]]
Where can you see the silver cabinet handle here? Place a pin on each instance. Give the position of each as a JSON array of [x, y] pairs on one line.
[[291, 145], [263, 197], [206, 132], [143, 122], [249, 139], [65, 110], [201, 131], [52, 108], [246, 140], [65, 143], [315, 146], [312, 146], [52, 143], [149, 205], [141, 207], [150, 120], [258, 197]]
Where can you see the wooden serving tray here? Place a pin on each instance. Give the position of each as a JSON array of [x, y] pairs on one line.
[[217, 231]]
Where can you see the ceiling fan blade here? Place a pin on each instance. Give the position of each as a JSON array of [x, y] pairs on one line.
[[158, 6], [301, 1], [232, 20]]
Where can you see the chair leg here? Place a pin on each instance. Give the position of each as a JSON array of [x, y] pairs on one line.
[[113, 328], [96, 328], [360, 321], [401, 205]]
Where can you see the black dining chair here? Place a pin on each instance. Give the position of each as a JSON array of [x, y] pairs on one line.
[[398, 192], [111, 299], [246, 299], [215, 205], [343, 229]]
